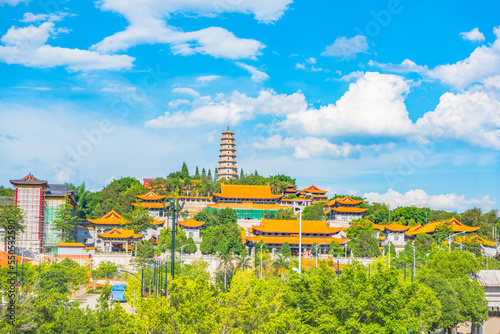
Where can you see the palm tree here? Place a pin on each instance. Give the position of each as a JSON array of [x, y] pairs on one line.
[[227, 262], [281, 262], [242, 262]]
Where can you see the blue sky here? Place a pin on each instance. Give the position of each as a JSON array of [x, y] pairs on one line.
[[397, 101]]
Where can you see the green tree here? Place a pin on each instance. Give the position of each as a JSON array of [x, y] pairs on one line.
[[424, 242], [184, 169], [223, 239], [139, 219], [410, 212], [285, 250], [65, 221], [314, 212], [335, 249], [11, 219], [472, 217], [106, 269], [286, 214]]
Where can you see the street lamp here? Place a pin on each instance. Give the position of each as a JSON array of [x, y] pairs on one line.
[[261, 245], [389, 245], [345, 246], [317, 253], [140, 280], [300, 241]]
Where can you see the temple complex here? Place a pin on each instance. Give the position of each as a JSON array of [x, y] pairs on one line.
[[249, 202], [39, 201], [314, 194], [227, 158], [274, 233], [344, 209], [154, 203]]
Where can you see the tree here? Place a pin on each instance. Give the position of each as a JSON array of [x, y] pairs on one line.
[[280, 264], [410, 212], [11, 219], [242, 175], [314, 212], [165, 240], [335, 249], [471, 217], [203, 172], [242, 260], [184, 169], [223, 239], [424, 242], [286, 214], [285, 250], [145, 251], [65, 220], [106, 269], [190, 246], [139, 219], [442, 232], [197, 172]]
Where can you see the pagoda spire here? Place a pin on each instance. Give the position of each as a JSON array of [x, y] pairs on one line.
[[227, 158]]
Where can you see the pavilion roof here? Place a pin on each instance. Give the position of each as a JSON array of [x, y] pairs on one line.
[[29, 180], [475, 237], [238, 191], [191, 223], [151, 196], [248, 206], [120, 234], [313, 189], [70, 244], [348, 209], [151, 205], [292, 226], [346, 200], [111, 218], [295, 240], [453, 223]]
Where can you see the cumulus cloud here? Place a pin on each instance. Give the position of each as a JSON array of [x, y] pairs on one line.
[[12, 2], [312, 147], [257, 75], [300, 66], [231, 109], [373, 105], [188, 91], [420, 198], [352, 76], [30, 17], [27, 46], [346, 48], [203, 79], [474, 35], [147, 25], [406, 66], [473, 117], [482, 63]]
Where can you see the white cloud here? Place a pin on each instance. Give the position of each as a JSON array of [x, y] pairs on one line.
[[147, 25], [351, 76], [231, 109], [178, 102], [188, 91], [300, 66], [346, 47], [420, 198], [312, 147], [257, 75], [30, 17], [117, 88], [27, 46], [474, 35], [373, 105], [311, 60], [207, 78], [12, 2], [472, 117], [40, 88], [483, 63], [406, 66]]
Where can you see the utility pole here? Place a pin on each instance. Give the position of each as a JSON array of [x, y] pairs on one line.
[[300, 242], [174, 218]]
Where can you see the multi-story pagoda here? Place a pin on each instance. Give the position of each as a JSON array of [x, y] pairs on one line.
[[227, 157], [345, 209]]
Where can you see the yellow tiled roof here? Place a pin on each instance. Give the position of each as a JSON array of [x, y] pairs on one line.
[[119, 234], [191, 223], [453, 223], [150, 196], [248, 206], [349, 209], [292, 226], [295, 240], [70, 244], [313, 189], [151, 205], [111, 218], [246, 192], [346, 200]]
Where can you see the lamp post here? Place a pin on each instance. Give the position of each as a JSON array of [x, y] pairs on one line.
[[345, 246], [412, 246], [389, 245], [317, 253], [261, 245], [300, 242], [140, 280]]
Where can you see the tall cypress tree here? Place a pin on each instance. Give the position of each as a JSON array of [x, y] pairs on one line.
[[197, 172], [203, 172], [185, 169], [242, 175]]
